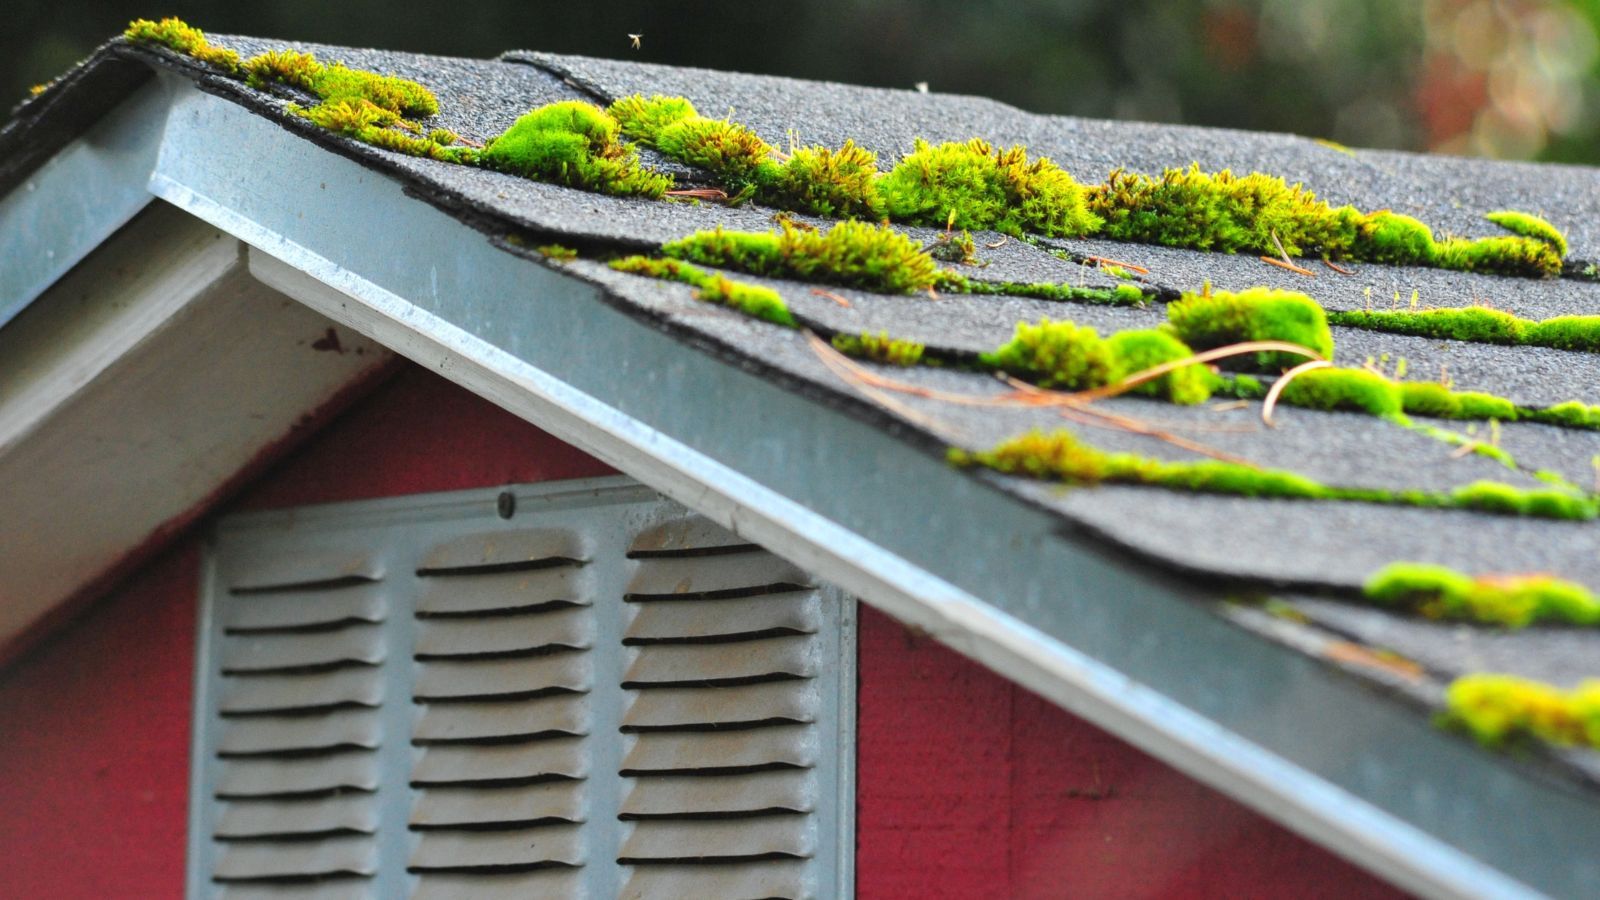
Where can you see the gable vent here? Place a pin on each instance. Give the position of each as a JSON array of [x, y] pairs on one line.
[[601, 696], [504, 627], [721, 702], [299, 668]]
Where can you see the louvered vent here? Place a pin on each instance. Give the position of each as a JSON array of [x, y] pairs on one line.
[[299, 662], [600, 695], [720, 758], [505, 624]]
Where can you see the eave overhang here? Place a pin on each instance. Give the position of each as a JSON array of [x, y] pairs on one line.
[[1140, 651]]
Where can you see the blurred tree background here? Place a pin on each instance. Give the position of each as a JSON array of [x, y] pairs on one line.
[[1501, 78]]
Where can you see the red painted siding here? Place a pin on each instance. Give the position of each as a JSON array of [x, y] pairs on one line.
[[971, 787]]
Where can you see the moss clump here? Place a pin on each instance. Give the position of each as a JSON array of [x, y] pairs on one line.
[[1500, 256], [557, 252], [643, 120], [1348, 389], [1510, 600], [1055, 355], [838, 183], [856, 254], [1060, 455], [1219, 318], [575, 144], [1121, 295], [1498, 708], [1426, 398], [1571, 414], [1530, 226], [1221, 211], [1138, 350], [975, 185], [879, 348], [181, 37], [752, 300], [1389, 237], [1482, 325], [740, 159], [290, 67], [1541, 503]]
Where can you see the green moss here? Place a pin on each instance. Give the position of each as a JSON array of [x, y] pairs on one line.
[[575, 144], [1426, 398], [1498, 708], [737, 156], [1543, 503], [181, 37], [1060, 455], [1135, 351], [1055, 355], [962, 250], [643, 120], [1510, 600], [1121, 295], [1219, 318], [879, 348], [1530, 226], [752, 300], [856, 254], [838, 183], [1480, 324], [1571, 414], [1500, 256], [557, 253], [1389, 237], [290, 67], [974, 185], [1221, 211], [1348, 389]]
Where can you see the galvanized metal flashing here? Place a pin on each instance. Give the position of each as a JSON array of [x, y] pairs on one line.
[[1128, 648], [79, 197]]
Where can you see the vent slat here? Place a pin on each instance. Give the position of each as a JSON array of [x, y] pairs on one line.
[[361, 644], [561, 672], [467, 807], [345, 855], [272, 570], [444, 850], [268, 693], [344, 728], [731, 575], [492, 592], [564, 883], [689, 663], [792, 701], [796, 612], [653, 840], [787, 745], [276, 818], [781, 878], [564, 714], [268, 777], [792, 790], [687, 537], [300, 609], [339, 889], [572, 628], [499, 548], [561, 757]]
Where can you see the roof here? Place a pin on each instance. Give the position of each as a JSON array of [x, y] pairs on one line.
[[1224, 633]]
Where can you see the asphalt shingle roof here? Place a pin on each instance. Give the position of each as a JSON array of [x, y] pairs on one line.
[[1259, 546]]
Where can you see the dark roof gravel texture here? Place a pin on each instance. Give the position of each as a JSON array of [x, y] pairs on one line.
[[1313, 555]]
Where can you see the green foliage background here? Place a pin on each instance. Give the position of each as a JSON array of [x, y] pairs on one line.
[[1469, 76]]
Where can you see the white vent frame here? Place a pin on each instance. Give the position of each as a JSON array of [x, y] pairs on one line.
[[395, 534]]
